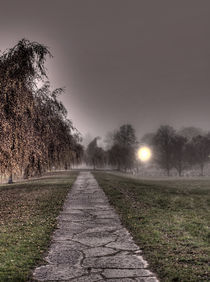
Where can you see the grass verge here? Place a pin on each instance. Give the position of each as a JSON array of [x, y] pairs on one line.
[[169, 220], [28, 217]]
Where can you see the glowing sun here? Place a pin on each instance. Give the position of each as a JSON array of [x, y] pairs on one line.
[[144, 154]]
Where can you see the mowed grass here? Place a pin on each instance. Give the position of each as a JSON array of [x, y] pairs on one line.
[[28, 216], [169, 220]]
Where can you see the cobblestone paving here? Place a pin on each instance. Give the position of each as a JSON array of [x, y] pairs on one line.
[[90, 244]]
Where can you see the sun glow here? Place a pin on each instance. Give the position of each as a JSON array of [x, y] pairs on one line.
[[144, 154]]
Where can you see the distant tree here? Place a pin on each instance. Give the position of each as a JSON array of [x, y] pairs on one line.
[[163, 147], [125, 136], [179, 144], [122, 153], [198, 151], [191, 132], [95, 155], [116, 156], [101, 158]]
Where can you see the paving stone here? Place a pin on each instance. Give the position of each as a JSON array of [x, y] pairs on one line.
[[58, 272], [95, 270], [94, 239], [104, 214], [146, 279], [71, 245], [73, 227], [122, 273], [72, 211], [108, 221], [116, 261], [88, 278], [63, 234], [100, 229], [98, 252], [75, 217], [123, 245], [64, 255], [120, 280]]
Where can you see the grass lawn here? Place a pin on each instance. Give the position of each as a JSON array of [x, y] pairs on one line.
[[28, 216], [169, 220]]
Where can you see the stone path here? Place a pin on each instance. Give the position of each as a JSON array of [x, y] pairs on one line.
[[90, 243]]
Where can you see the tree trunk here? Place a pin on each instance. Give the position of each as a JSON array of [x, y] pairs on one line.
[[26, 172], [10, 180], [180, 170], [137, 168], [202, 168]]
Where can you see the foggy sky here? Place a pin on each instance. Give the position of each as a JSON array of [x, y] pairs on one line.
[[144, 62]]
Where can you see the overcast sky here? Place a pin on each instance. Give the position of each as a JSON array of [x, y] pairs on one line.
[[144, 62]]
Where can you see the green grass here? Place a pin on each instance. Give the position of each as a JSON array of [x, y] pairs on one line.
[[169, 220], [28, 217]]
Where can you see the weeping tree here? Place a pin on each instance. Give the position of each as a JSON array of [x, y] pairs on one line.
[[35, 132], [20, 67], [58, 137], [78, 150], [50, 123]]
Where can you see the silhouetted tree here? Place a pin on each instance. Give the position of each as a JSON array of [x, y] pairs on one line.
[[179, 144], [190, 131], [198, 151], [163, 147], [122, 153], [95, 155], [115, 155]]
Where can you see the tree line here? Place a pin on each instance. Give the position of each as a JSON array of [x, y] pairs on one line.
[[171, 149], [121, 153], [180, 150], [35, 133]]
